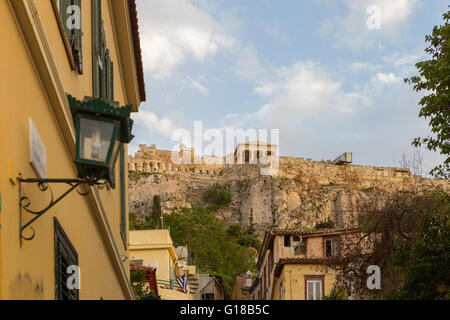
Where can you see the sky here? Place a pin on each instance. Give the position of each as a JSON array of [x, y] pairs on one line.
[[328, 74]]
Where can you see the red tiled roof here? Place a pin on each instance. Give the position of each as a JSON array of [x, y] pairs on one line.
[[137, 48]]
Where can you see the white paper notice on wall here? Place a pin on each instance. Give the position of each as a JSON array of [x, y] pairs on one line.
[[38, 153]]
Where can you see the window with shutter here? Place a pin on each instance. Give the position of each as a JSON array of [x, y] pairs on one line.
[[65, 256], [102, 65], [69, 20]]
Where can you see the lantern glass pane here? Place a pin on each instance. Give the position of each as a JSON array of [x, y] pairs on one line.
[[95, 139]]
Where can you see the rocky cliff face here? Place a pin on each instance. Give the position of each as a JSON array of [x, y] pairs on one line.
[[300, 194]]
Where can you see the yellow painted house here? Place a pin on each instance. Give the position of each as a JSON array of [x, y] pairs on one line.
[[293, 263], [155, 248], [52, 49]]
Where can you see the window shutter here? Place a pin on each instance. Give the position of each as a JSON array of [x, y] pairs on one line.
[[96, 44], [111, 79], [310, 290], [107, 76], [63, 6], [102, 73], [318, 290], [78, 42]]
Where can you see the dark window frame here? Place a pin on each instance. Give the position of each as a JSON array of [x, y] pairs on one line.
[[287, 241], [328, 252], [65, 255]]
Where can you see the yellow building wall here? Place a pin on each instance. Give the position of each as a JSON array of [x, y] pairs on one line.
[[81, 86], [154, 246], [293, 280], [28, 272], [148, 256]]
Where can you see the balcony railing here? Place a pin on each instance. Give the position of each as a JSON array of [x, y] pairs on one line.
[[171, 285]]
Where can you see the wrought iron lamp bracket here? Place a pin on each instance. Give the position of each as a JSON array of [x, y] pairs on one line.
[[43, 185]]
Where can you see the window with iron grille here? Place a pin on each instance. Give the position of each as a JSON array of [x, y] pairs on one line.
[[65, 256]]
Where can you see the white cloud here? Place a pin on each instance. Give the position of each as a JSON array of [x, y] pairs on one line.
[[399, 60], [387, 78], [198, 86], [153, 123], [176, 30], [248, 65], [320, 119], [404, 63], [358, 66], [304, 88], [351, 29], [274, 30]]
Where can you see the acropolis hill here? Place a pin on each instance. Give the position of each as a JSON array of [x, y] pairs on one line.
[[300, 193]]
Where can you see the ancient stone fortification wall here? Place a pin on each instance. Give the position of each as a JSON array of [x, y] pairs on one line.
[[300, 193], [152, 160]]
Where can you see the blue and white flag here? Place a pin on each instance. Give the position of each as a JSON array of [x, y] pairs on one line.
[[183, 282]]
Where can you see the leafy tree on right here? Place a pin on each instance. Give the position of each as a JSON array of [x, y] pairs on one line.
[[434, 79]]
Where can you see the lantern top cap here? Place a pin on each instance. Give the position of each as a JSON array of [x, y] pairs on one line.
[[104, 109]]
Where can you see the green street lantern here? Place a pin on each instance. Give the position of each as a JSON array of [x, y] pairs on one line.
[[100, 130]]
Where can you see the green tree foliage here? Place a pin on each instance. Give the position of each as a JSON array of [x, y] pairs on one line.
[[139, 283], [156, 211], [217, 197], [251, 225], [211, 247], [426, 260], [434, 79], [132, 221], [408, 236], [245, 239], [152, 221], [336, 294]]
